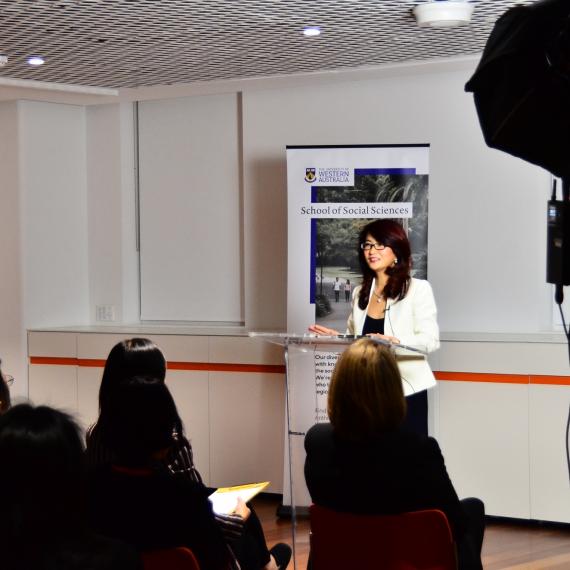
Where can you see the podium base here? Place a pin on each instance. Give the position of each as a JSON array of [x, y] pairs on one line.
[[284, 511]]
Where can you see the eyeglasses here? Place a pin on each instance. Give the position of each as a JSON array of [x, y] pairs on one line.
[[8, 379], [368, 245]]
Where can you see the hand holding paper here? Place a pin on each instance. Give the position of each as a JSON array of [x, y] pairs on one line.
[[230, 500]]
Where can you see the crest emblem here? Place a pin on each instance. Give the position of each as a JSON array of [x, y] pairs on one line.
[[310, 174]]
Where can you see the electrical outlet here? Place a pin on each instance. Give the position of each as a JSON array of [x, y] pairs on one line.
[[105, 313]]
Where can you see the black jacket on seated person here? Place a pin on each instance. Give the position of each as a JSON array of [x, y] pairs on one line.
[[397, 472], [152, 509]]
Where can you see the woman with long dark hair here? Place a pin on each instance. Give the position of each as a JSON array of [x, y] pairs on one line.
[[43, 524], [141, 357], [392, 305], [364, 462], [129, 358], [135, 498]]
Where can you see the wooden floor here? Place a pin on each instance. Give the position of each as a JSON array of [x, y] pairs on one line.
[[508, 545]]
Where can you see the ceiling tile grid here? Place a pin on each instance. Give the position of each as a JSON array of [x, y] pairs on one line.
[[135, 43]]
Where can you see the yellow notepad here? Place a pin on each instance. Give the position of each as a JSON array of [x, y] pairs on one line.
[[224, 499]]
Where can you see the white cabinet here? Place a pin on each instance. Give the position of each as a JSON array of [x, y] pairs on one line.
[[501, 419], [190, 392], [247, 428], [549, 471], [501, 427], [229, 391], [53, 385], [483, 434]]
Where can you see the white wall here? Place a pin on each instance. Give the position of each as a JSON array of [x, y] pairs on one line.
[[113, 257], [54, 213], [43, 225], [487, 209], [190, 209], [12, 329], [68, 174]]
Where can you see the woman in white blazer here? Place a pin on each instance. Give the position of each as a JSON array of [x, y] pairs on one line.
[[392, 305]]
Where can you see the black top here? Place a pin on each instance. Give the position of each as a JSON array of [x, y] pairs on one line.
[[179, 460], [155, 510], [372, 325], [394, 473]]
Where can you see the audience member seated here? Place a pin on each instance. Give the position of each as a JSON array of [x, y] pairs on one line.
[[364, 462], [135, 499], [4, 392], [141, 357], [43, 514]]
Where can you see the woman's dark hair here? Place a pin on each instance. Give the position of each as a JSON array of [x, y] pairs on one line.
[[132, 357], [366, 397], [42, 477], [138, 421], [391, 234], [135, 357], [4, 393]]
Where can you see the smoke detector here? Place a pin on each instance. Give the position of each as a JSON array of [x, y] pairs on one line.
[[444, 13]]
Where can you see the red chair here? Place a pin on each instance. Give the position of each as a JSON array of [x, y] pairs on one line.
[[408, 541], [179, 558]]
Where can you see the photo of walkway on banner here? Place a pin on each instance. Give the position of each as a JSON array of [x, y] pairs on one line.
[[335, 240]]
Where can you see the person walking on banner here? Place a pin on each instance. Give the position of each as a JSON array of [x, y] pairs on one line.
[[347, 290], [392, 305], [336, 288]]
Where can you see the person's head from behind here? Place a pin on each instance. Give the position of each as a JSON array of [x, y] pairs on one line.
[[41, 473], [138, 423], [4, 392], [132, 357], [366, 397]]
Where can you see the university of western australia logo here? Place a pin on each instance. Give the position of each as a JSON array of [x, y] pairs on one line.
[[310, 174]]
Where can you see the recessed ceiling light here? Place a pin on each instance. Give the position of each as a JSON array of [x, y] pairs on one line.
[[35, 60], [311, 31]]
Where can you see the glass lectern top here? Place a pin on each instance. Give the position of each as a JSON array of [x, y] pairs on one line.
[[285, 339]]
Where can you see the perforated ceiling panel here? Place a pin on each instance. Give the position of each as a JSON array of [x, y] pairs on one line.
[[131, 43]]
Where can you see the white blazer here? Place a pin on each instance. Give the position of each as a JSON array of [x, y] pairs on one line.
[[413, 321]]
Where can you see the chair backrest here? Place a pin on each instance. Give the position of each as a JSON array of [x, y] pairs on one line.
[[179, 558], [407, 541]]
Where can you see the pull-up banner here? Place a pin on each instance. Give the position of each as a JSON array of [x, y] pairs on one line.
[[333, 192]]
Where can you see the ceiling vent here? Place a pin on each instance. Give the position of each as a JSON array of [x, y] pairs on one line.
[[444, 13]]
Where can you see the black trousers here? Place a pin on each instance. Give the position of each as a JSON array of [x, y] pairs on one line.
[[251, 549], [470, 544], [417, 416]]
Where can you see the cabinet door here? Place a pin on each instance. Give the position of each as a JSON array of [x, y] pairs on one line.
[[247, 415], [88, 382], [53, 385], [190, 392], [483, 434], [549, 408]]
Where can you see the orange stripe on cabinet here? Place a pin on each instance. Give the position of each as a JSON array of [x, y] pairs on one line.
[[280, 369], [482, 377], [53, 360], [207, 366], [550, 380]]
